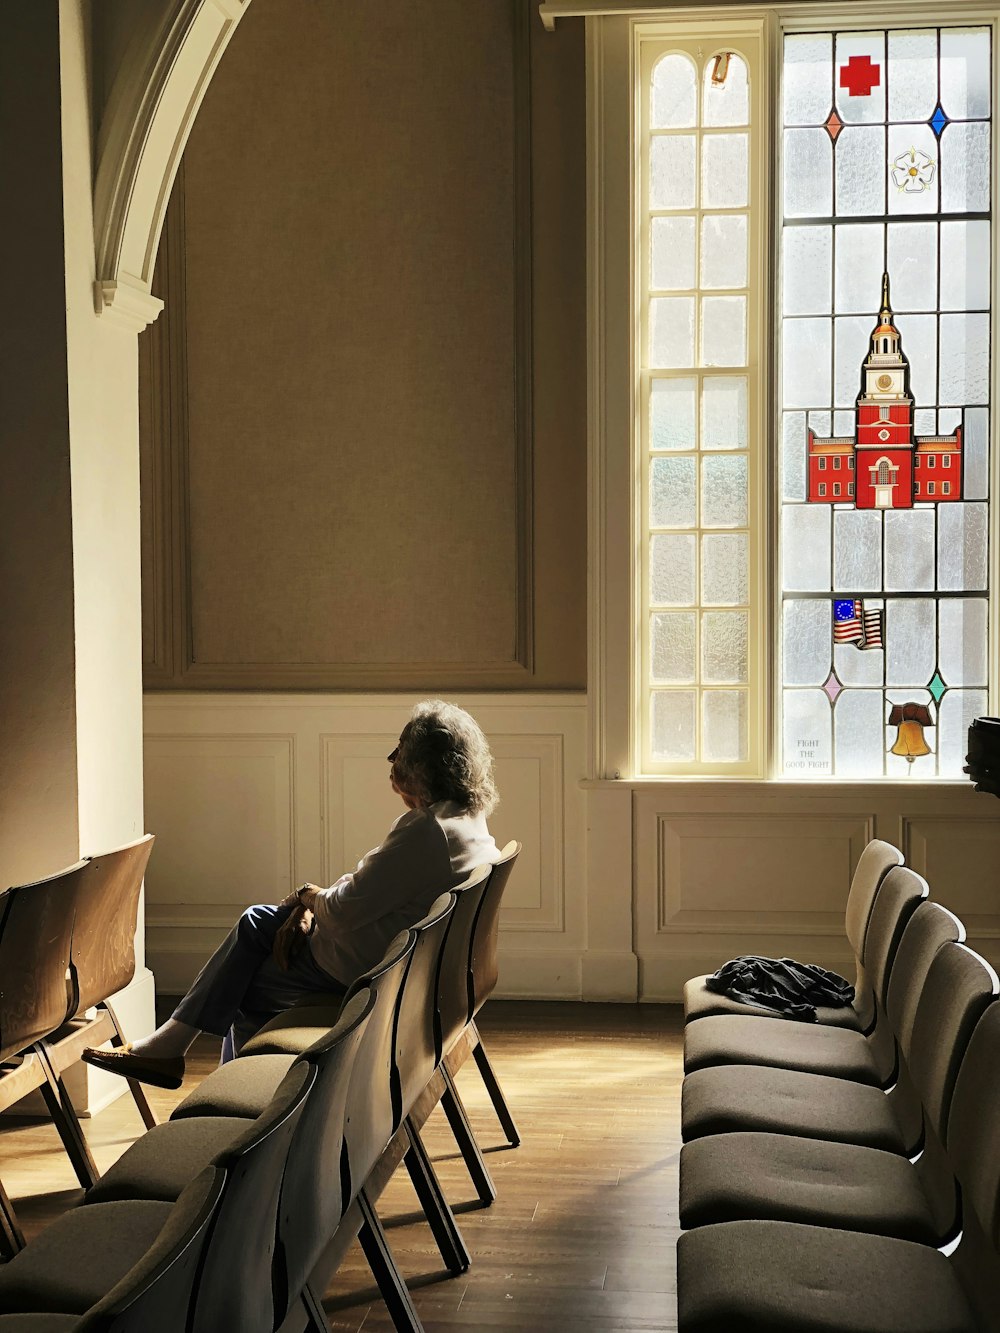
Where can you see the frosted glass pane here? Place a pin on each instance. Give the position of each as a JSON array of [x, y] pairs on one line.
[[914, 169], [725, 574], [672, 493], [852, 335], [674, 102], [965, 359], [805, 547], [671, 171], [724, 653], [823, 422], [724, 250], [807, 77], [965, 72], [672, 423], [963, 657], [673, 725], [912, 250], [671, 260], [724, 171], [671, 573], [727, 103], [919, 338], [860, 249], [724, 491], [913, 76], [860, 86], [724, 726], [909, 549], [672, 648], [855, 666], [671, 331], [793, 456], [897, 766], [861, 170], [925, 422], [965, 168], [958, 708], [808, 163], [965, 265], [806, 637], [806, 267], [910, 641], [724, 412], [977, 454], [843, 423], [857, 565], [859, 737], [724, 331], [963, 536], [805, 362], [807, 728]]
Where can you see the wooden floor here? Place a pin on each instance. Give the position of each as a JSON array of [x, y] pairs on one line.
[[583, 1231]]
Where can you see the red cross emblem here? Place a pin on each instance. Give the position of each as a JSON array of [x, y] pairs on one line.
[[859, 76]]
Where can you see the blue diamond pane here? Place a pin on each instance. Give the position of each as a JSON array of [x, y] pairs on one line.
[[938, 121], [937, 687]]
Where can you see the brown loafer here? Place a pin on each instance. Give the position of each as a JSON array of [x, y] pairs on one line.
[[162, 1073]]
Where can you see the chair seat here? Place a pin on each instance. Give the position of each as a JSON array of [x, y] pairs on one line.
[[700, 1002], [726, 1039], [293, 1031], [730, 1098], [744, 1177], [241, 1088], [80, 1257], [167, 1158], [787, 1278]]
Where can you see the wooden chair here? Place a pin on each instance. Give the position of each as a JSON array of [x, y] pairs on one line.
[[105, 905]]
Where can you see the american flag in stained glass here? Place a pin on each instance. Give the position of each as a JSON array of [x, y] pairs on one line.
[[853, 624]]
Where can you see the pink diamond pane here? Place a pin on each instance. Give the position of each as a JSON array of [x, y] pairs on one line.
[[833, 687], [833, 125]]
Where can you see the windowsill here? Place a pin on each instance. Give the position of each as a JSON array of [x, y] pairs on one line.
[[779, 784]]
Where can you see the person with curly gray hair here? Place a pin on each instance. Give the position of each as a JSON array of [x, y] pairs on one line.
[[319, 940]]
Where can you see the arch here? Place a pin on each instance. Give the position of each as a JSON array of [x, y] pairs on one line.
[[153, 103]]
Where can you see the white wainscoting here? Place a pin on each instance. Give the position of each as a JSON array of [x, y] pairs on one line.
[[250, 795]]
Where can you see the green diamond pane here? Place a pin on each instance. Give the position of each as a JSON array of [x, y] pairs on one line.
[[937, 687]]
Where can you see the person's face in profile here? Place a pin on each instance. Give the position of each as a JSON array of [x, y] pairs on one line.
[[396, 782]]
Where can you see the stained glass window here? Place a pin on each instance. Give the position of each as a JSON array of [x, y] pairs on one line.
[[698, 312], [885, 398]]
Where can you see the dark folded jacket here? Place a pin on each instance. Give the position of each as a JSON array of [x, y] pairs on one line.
[[789, 988]]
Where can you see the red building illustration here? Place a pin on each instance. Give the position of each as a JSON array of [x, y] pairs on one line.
[[883, 466]]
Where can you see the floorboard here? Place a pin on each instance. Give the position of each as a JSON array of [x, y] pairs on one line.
[[583, 1231]]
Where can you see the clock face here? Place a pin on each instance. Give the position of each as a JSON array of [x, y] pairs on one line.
[[884, 381]]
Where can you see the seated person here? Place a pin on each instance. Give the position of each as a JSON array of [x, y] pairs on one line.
[[318, 941]]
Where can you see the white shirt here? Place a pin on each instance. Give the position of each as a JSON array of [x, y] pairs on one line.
[[427, 852]]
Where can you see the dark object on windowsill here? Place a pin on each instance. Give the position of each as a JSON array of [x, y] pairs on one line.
[[983, 759]]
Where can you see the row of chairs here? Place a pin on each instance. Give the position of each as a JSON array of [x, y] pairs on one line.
[[234, 1213], [844, 1176], [67, 944]]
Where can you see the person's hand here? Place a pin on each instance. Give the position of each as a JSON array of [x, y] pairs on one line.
[[292, 935]]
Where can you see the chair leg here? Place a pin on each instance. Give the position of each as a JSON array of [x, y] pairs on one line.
[[136, 1089], [316, 1320], [390, 1281], [466, 1140], [11, 1235], [66, 1121], [495, 1091], [439, 1215]]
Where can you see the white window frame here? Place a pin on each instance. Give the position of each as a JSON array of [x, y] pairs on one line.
[[614, 490]]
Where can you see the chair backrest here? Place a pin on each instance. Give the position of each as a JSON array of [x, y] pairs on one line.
[[235, 1287], [930, 927], [311, 1200], [973, 1138], [155, 1296], [36, 932], [415, 1039], [102, 960], [483, 966], [368, 1118], [958, 988], [901, 892], [453, 1005], [874, 864]]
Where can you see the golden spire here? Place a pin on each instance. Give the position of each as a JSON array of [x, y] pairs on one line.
[[885, 314]]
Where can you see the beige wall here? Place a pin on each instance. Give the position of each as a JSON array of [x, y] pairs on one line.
[[364, 435]]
